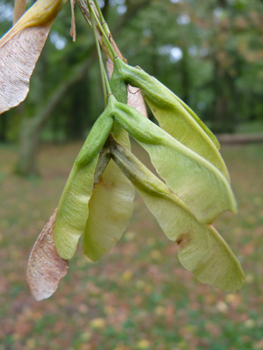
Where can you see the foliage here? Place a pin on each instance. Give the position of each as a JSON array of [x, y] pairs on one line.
[[222, 58], [184, 205], [208, 53]]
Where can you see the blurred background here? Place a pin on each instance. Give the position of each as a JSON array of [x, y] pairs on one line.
[[210, 53]]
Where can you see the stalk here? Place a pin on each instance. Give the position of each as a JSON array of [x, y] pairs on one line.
[[110, 50], [94, 28]]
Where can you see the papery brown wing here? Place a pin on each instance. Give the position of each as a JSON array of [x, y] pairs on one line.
[[135, 100], [109, 66], [45, 267], [18, 57], [20, 48], [19, 9]]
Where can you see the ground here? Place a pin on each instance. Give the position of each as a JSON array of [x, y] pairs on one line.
[[138, 296]]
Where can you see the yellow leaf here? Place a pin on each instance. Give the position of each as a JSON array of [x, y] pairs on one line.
[[127, 275], [97, 323], [155, 254], [143, 344]]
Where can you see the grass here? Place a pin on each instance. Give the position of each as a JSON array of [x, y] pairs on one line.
[[250, 127], [138, 296]]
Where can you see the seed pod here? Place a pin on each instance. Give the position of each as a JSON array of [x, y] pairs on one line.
[[196, 181], [111, 203], [199, 121], [118, 85], [72, 210], [200, 248], [173, 117], [134, 96], [110, 210]]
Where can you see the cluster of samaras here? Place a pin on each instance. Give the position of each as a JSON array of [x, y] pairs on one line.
[[98, 198]]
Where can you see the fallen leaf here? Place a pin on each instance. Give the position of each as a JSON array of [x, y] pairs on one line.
[[97, 323], [250, 323], [143, 344], [45, 267], [222, 307]]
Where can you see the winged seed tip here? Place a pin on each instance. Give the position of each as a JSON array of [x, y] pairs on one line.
[[45, 267]]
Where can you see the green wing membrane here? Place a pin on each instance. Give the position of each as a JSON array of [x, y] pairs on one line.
[[175, 117], [201, 249], [72, 212], [110, 209], [202, 187], [111, 203], [199, 121]]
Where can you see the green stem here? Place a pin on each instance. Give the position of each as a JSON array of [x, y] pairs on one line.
[[107, 83], [110, 50], [102, 19], [93, 15], [99, 11]]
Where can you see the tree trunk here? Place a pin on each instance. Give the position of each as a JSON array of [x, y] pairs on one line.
[[28, 147], [31, 128]]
